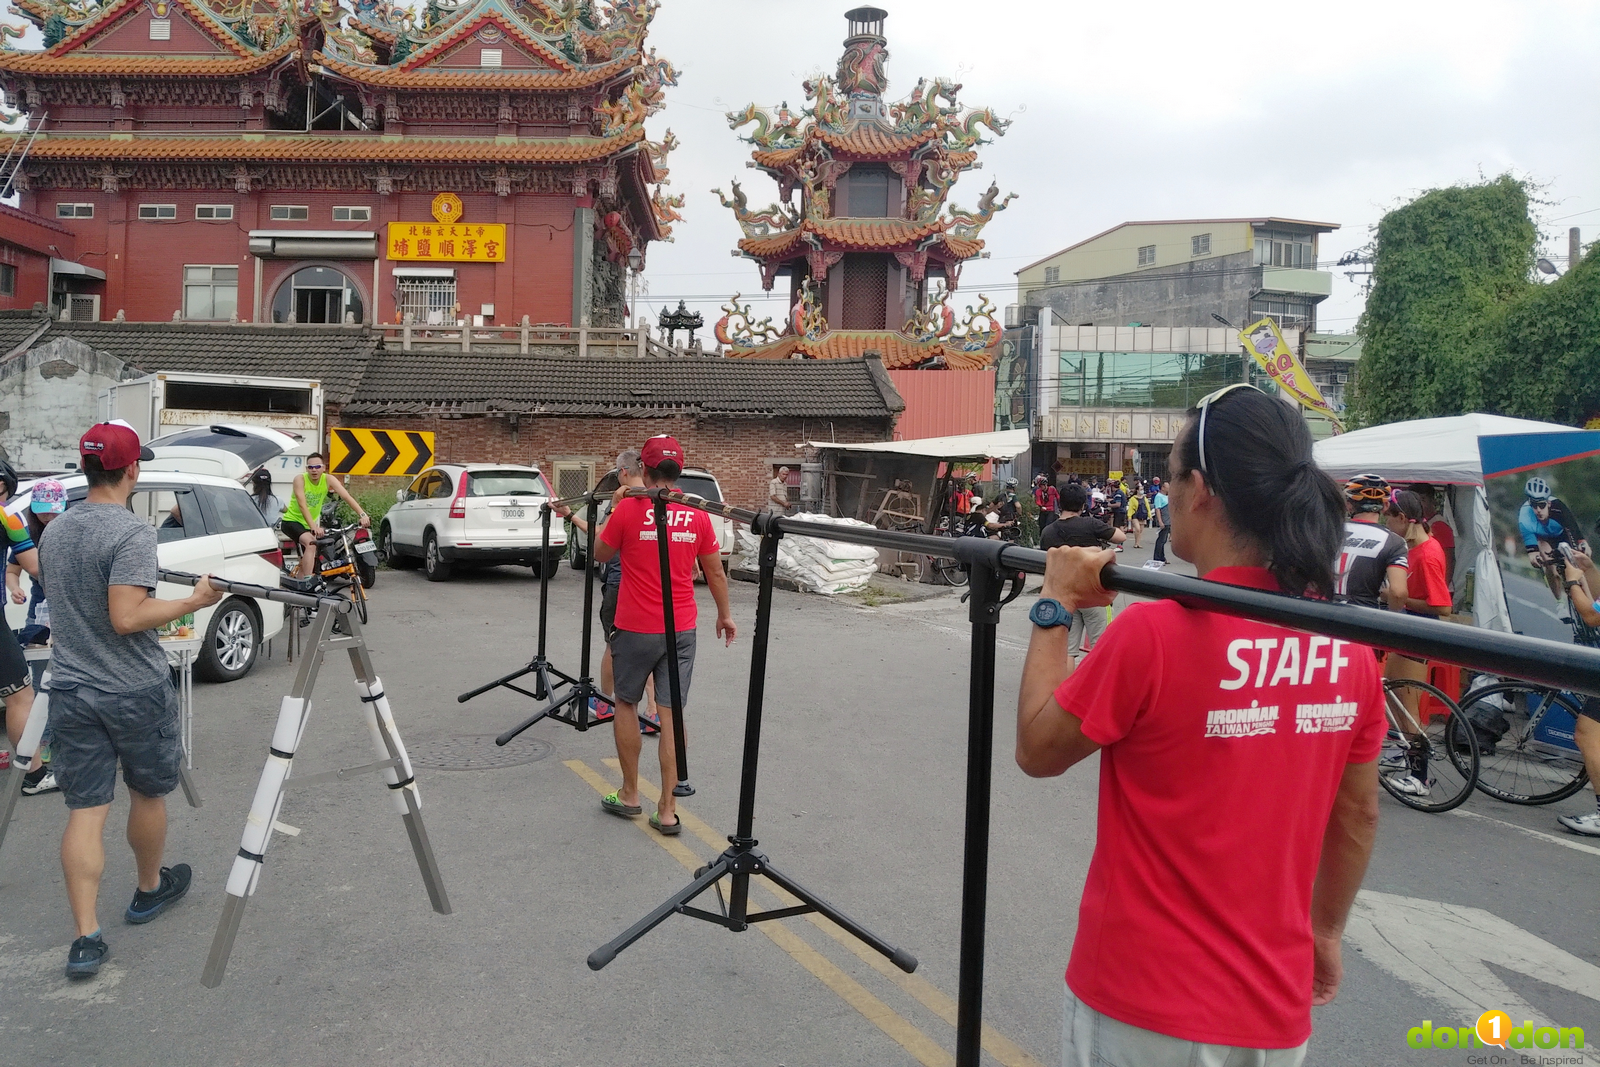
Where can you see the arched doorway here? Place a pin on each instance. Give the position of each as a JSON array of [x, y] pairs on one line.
[[318, 294]]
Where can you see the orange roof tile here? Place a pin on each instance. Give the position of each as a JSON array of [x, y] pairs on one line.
[[899, 352], [869, 139], [92, 63], [504, 78], [778, 158], [859, 235], [314, 149]]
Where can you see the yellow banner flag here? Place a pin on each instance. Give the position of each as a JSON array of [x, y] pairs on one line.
[[1265, 342]]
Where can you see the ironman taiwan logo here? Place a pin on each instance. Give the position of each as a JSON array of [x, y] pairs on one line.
[[1494, 1030]]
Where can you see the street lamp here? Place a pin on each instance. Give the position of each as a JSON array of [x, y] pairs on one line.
[[635, 265], [1545, 266]]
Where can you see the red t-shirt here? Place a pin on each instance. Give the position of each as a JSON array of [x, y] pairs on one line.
[[631, 530], [1442, 532], [1425, 577], [1223, 744]]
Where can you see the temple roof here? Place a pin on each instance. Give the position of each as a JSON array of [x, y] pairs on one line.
[[314, 148], [858, 235], [91, 63], [455, 78], [898, 351], [116, 10]]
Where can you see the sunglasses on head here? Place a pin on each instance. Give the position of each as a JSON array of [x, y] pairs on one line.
[[1205, 405]]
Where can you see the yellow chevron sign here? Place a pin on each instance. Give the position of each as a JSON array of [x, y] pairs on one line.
[[398, 452]]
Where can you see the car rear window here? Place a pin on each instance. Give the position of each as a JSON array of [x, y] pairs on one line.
[[701, 485], [253, 450], [506, 483], [233, 509]]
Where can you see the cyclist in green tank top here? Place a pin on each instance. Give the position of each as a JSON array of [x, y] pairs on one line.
[[302, 519]]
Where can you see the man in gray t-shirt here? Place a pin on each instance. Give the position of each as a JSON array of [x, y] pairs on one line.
[[111, 693]]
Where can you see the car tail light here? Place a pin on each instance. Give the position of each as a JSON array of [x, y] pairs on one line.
[[458, 506], [275, 557]]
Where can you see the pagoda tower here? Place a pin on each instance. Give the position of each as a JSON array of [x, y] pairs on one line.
[[872, 251]]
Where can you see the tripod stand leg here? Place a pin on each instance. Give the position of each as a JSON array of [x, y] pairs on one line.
[[190, 793], [535, 668], [543, 713], [608, 951], [897, 956]]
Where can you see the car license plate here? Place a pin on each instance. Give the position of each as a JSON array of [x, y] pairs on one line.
[[513, 513]]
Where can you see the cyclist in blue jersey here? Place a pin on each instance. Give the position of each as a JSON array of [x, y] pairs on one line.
[[1546, 523]]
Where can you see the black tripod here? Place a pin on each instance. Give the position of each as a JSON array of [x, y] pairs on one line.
[[571, 706], [741, 860]]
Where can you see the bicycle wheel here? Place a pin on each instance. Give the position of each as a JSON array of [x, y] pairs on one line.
[[949, 571], [1534, 761], [1441, 752], [359, 594]]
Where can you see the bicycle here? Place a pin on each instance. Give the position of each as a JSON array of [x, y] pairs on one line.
[[340, 569], [947, 570], [1442, 752], [1536, 760]]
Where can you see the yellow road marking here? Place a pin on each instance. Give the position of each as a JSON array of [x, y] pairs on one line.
[[1007, 1052], [853, 993]]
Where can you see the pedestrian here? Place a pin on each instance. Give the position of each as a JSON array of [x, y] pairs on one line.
[[778, 492], [638, 646], [1427, 595], [1046, 498], [1159, 508], [1438, 527], [47, 498], [1156, 519], [630, 475], [302, 519], [1220, 885], [1140, 514], [1582, 584], [15, 682], [1372, 567], [262, 496], [1081, 530], [111, 693]]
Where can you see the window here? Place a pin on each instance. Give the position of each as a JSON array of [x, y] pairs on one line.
[[441, 488], [490, 57], [288, 213], [573, 478], [158, 211], [506, 483], [232, 510], [173, 512], [1200, 244], [865, 278], [213, 211], [1052, 275], [1275, 248], [74, 211], [701, 484], [318, 294], [1288, 313], [1147, 255], [161, 29], [8, 280], [867, 192], [352, 214], [210, 292], [429, 301]]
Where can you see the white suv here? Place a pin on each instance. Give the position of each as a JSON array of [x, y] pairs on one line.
[[471, 513], [216, 529]]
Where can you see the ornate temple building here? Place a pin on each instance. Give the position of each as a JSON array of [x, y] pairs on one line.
[[307, 161], [873, 250]]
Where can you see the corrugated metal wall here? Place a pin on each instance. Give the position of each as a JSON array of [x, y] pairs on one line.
[[942, 402]]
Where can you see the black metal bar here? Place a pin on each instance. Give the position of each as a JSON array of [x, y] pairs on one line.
[[588, 606], [985, 614], [744, 828], [1551, 663], [261, 592], [544, 582], [663, 551], [703, 881]]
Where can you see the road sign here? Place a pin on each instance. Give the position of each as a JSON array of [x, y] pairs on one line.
[[397, 452], [1443, 952]]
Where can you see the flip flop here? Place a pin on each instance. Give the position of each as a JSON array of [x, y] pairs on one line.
[[671, 829], [613, 803]]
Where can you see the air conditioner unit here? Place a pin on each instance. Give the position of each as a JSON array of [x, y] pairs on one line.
[[82, 307], [1342, 379]]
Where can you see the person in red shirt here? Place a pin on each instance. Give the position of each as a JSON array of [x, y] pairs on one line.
[[1238, 765], [1427, 593], [638, 647], [1437, 526]]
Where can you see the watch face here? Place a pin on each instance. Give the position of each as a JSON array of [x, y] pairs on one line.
[[1047, 612]]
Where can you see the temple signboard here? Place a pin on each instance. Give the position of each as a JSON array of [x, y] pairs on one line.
[[458, 242]]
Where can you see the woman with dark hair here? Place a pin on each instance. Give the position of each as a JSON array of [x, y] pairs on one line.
[[1238, 767], [1426, 594], [262, 496]]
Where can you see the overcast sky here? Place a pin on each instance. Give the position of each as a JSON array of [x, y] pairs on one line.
[[1331, 111]]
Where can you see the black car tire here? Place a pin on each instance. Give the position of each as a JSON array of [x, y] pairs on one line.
[[396, 559], [548, 566], [233, 641], [434, 565]]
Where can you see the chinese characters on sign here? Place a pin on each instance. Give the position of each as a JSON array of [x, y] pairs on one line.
[[460, 242]]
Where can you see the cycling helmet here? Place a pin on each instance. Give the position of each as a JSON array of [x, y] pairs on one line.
[[8, 477], [976, 500], [1537, 489], [1367, 492], [1011, 483]]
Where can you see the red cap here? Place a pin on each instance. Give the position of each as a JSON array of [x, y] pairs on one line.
[[114, 445], [659, 448]]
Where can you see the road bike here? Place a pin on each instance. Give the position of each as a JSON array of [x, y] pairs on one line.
[[1435, 745], [1535, 760]]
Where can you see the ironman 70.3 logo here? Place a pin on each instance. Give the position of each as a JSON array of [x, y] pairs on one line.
[[1545, 1045]]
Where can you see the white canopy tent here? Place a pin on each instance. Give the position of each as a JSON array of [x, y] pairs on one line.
[[1442, 452], [1000, 445]]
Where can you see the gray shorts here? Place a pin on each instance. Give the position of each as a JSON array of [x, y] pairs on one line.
[[1090, 1039], [94, 729], [635, 657]]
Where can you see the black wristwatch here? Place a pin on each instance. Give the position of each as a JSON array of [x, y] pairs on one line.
[[1048, 612]]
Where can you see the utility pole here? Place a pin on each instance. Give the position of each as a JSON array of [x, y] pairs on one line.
[[1574, 247]]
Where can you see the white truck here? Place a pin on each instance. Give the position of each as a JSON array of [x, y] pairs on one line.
[[160, 405]]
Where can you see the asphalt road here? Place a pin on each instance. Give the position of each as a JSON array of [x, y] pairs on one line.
[[341, 961]]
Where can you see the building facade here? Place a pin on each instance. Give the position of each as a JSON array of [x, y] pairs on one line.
[[1185, 273], [482, 162]]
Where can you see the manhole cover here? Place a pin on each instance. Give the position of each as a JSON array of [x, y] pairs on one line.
[[478, 752]]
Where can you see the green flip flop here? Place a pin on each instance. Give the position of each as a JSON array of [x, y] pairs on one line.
[[613, 803], [671, 829]]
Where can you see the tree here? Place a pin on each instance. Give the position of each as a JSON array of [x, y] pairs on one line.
[[1548, 364]]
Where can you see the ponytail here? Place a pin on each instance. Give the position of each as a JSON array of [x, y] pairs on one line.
[[1259, 461]]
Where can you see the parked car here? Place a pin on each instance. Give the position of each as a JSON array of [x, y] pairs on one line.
[[205, 525], [469, 514], [701, 483]]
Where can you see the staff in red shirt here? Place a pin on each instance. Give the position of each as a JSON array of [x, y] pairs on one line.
[[638, 646], [1238, 764]]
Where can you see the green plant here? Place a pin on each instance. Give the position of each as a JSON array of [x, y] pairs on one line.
[[375, 501]]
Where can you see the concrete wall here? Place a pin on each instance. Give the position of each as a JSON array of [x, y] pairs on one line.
[[48, 398], [1117, 252], [1184, 295]]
